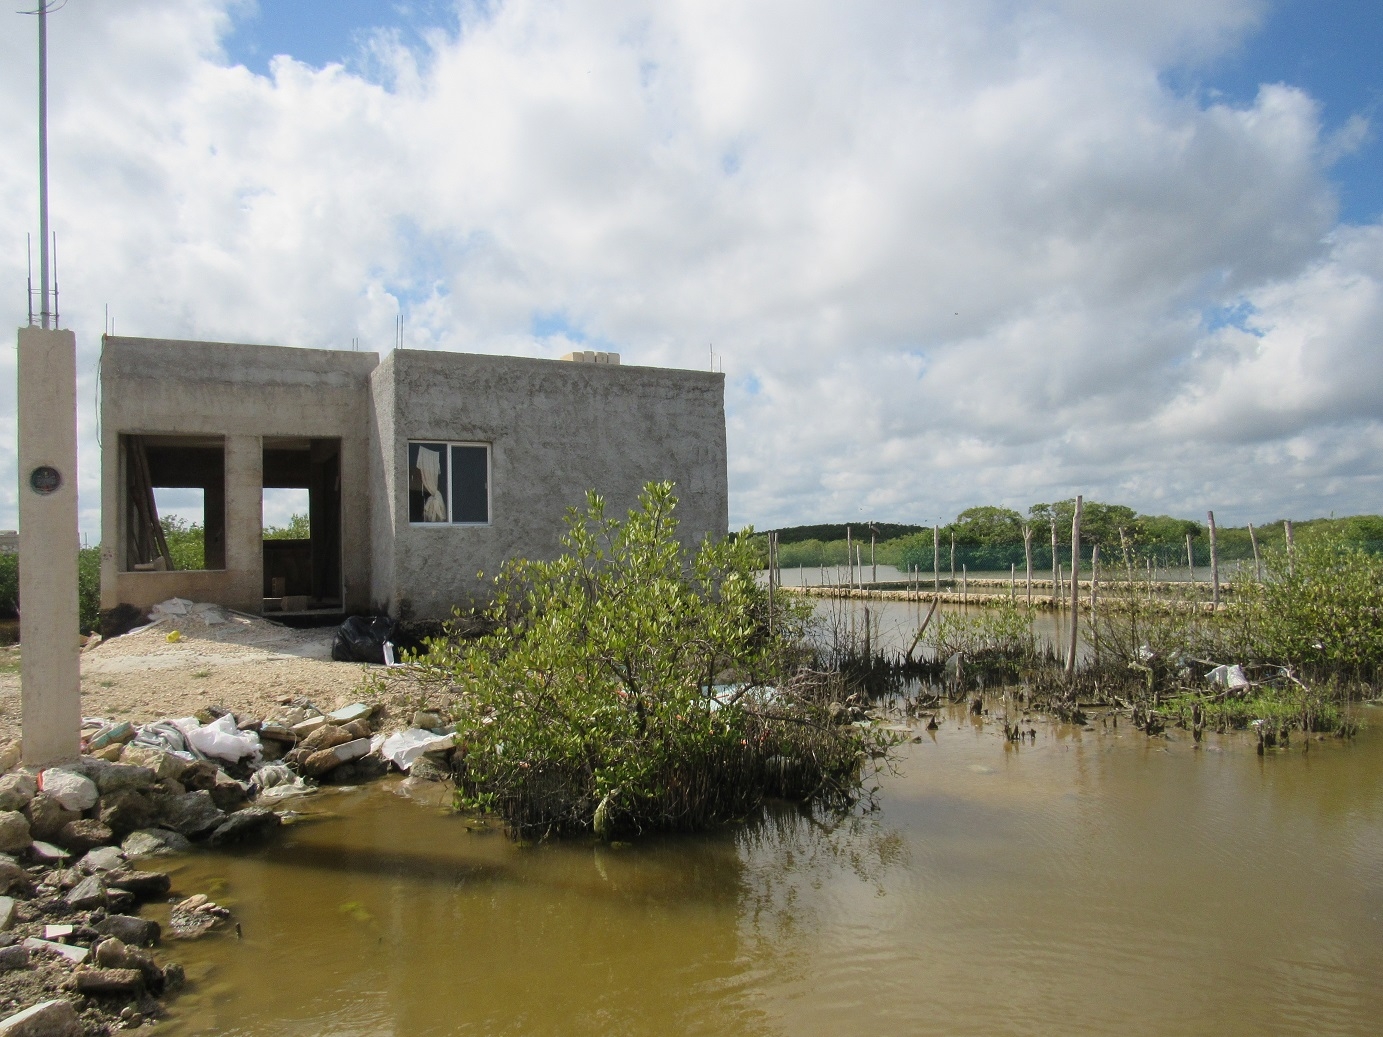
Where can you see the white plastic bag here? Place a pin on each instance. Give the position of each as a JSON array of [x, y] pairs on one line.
[[221, 739], [404, 747]]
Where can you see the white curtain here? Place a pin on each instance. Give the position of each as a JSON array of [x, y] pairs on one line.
[[429, 465]]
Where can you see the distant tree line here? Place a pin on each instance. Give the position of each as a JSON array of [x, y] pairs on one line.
[[988, 538]]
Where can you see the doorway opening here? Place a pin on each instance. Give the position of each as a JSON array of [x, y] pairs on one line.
[[301, 525]]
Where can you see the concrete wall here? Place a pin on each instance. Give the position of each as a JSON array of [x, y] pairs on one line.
[[244, 393], [382, 480], [557, 429]]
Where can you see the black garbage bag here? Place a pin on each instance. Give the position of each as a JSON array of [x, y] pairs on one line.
[[360, 639]]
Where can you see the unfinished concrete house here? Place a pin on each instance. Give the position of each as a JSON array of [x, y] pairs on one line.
[[420, 471]]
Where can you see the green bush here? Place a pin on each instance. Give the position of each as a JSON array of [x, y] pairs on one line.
[[88, 587], [9, 584], [626, 687], [186, 542], [1319, 609]]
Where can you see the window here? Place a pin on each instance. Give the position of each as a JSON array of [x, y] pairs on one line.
[[449, 483]]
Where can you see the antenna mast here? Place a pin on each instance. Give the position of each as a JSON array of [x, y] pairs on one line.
[[43, 315]]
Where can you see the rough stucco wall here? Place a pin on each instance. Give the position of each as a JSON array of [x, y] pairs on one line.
[[245, 393], [557, 429], [382, 478]]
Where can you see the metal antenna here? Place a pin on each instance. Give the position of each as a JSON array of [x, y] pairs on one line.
[[45, 316]]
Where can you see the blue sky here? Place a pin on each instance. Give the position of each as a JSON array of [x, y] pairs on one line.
[[1332, 49]]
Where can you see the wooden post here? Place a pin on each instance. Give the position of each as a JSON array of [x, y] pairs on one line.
[[953, 562], [1012, 580], [873, 566], [964, 584], [772, 538], [1214, 565], [1056, 568], [1027, 551], [1190, 561], [1257, 565], [1075, 586], [1291, 553], [1095, 599], [849, 561], [936, 559]]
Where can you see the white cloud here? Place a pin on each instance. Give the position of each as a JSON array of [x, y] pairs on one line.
[[952, 253]]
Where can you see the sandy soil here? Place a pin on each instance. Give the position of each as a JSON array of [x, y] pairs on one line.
[[247, 665]]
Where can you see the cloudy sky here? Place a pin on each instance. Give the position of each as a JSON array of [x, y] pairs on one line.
[[949, 252]]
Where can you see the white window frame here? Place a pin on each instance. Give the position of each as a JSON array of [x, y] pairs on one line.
[[451, 523]]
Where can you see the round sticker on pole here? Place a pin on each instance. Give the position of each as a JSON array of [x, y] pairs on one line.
[[45, 479]]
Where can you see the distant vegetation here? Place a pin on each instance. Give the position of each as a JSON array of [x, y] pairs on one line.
[[990, 538]]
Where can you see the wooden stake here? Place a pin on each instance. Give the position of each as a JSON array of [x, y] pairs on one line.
[[1190, 561], [873, 566], [1056, 566], [964, 585], [1012, 580], [1027, 552], [1291, 553], [1075, 586], [849, 561], [936, 559], [1214, 565], [953, 563], [1257, 565]]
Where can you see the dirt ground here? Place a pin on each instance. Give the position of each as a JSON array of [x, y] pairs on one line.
[[245, 664]]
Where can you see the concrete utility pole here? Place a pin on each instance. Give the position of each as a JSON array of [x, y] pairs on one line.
[[50, 678]]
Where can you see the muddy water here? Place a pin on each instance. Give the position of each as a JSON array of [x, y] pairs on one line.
[[893, 624], [1095, 882]]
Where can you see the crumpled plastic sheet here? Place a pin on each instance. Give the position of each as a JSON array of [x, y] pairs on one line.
[[220, 739], [1228, 676], [404, 747], [165, 736]]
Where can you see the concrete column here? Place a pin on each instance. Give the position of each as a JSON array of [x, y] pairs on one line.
[[244, 515], [50, 674]]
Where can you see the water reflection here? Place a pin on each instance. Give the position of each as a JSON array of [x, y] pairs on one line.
[[1094, 881]]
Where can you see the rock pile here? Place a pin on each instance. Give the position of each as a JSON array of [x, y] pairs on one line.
[[70, 937]]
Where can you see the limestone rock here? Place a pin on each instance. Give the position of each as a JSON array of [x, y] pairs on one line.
[[325, 737], [192, 813], [84, 833], [72, 790], [112, 777], [107, 981], [427, 720], [46, 1019], [14, 957], [102, 858], [200, 776], [246, 825], [6, 913], [229, 794], [10, 754], [428, 769], [112, 953], [154, 842], [47, 815], [87, 894], [146, 885], [126, 810], [16, 790], [164, 765], [13, 878], [130, 930], [14, 832], [47, 853]]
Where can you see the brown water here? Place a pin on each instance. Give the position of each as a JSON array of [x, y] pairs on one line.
[[1095, 882]]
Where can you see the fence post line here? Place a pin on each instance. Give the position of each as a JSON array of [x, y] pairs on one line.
[[1075, 587]]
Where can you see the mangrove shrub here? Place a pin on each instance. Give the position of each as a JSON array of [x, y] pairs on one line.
[[629, 686]]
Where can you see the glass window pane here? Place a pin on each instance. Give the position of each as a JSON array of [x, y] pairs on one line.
[[427, 482], [470, 480]]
